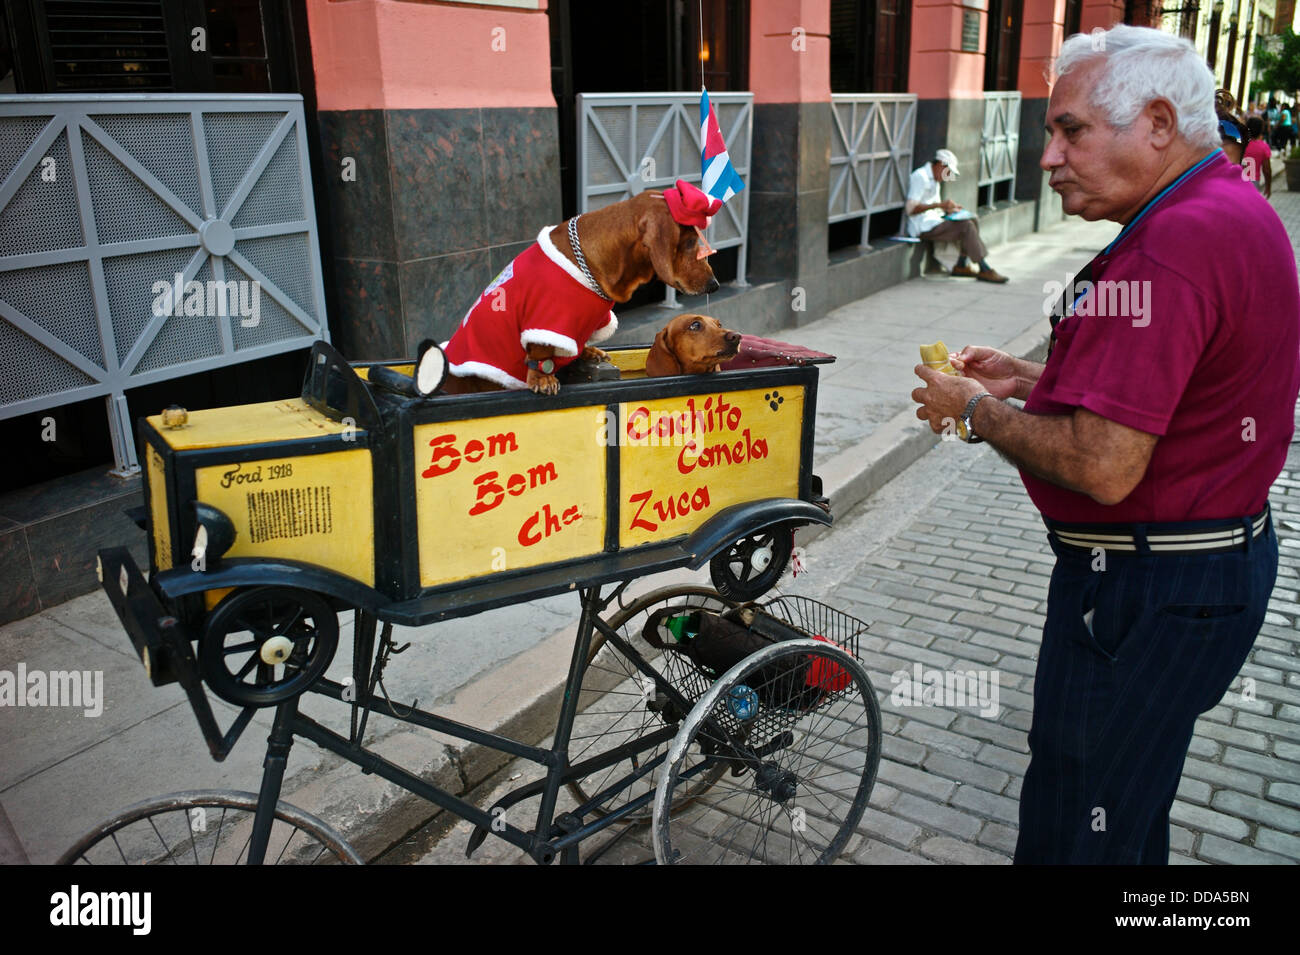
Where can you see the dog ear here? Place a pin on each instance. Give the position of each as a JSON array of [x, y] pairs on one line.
[[661, 361], [659, 235]]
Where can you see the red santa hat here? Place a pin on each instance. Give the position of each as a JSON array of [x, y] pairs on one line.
[[691, 206]]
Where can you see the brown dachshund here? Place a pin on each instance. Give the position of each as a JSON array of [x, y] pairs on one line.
[[690, 345], [625, 245]]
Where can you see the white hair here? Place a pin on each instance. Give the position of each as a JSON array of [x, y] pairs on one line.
[[1139, 65]]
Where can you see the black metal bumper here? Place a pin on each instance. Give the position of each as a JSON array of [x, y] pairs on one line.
[[163, 643]]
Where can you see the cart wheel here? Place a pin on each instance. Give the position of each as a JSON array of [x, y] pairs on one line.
[[208, 827], [617, 704], [797, 727], [263, 645], [751, 566]]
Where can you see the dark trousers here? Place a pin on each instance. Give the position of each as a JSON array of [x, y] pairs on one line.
[[965, 233], [1114, 708]]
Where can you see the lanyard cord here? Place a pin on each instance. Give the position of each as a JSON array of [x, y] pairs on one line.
[[1163, 192]]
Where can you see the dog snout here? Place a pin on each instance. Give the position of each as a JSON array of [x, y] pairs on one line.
[[731, 337], [712, 285]]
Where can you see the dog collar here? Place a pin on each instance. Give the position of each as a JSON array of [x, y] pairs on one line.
[[582, 259]]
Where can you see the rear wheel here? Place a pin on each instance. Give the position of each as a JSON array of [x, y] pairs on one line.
[[795, 727]]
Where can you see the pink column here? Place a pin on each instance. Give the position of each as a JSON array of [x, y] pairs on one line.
[[790, 76], [790, 51], [1040, 41], [939, 68], [1100, 13], [381, 54]]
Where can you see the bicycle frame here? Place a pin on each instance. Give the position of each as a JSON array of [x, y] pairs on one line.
[[553, 835]]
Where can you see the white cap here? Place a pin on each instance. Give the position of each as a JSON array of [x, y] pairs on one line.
[[948, 158]]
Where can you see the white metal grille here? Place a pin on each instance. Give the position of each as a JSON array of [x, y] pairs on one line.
[[631, 142], [104, 197], [1000, 139], [872, 138]]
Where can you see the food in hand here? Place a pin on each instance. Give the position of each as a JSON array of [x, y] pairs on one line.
[[936, 356]]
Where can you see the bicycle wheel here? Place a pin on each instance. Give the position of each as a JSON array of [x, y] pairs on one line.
[[797, 726], [618, 704], [207, 827]]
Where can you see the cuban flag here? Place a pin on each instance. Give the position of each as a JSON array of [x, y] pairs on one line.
[[720, 179]]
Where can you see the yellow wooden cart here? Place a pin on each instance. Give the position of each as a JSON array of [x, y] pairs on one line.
[[265, 520]]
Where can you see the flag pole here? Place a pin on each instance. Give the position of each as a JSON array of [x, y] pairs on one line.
[[700, 54]]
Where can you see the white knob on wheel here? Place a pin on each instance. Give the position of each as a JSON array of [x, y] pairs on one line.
[[276, 650], [761, 558]]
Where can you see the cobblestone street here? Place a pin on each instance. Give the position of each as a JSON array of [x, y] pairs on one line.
[[965, 588]]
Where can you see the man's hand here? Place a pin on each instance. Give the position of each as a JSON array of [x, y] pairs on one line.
[[949, 206], [995, 370], [943, 398]]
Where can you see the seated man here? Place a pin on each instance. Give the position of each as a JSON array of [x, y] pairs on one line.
[[927, 218]]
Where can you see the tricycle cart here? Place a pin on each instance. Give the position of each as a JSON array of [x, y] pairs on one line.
[[264, 521]]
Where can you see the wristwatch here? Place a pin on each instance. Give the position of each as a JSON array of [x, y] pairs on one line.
[[545, 366], [966, 430]]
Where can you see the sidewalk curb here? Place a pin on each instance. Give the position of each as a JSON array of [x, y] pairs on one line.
[[521, 699]]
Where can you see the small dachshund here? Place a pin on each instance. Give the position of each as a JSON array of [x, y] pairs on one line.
[[542, 311], [691, 345]]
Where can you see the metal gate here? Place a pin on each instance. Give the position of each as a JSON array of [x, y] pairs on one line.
[[631, 142], [1000, 139], [144, 237], [872, 136]]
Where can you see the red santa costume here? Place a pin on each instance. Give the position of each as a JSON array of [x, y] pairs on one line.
[[541, 298]]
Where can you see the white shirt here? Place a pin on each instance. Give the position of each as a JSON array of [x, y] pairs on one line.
[[922, 190]]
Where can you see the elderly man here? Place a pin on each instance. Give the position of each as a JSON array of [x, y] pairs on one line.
[[1148, 441], [941, 220]]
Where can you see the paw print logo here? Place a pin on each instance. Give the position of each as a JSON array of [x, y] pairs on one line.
[[774, 400]]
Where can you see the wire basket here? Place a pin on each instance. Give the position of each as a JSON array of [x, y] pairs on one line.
[[818, 619]]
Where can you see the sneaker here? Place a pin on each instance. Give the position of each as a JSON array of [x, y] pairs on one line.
[[988, 275], [935, 267], [964, 272]]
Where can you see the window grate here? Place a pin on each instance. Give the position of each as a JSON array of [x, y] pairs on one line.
[[107, 45]]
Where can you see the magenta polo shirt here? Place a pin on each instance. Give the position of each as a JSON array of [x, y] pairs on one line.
[[1192, 333]]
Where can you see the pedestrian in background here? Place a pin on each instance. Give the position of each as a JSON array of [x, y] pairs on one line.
[[1286, 128], [935, 219], [1232, 128], [1257, 166], [1149, 441]]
